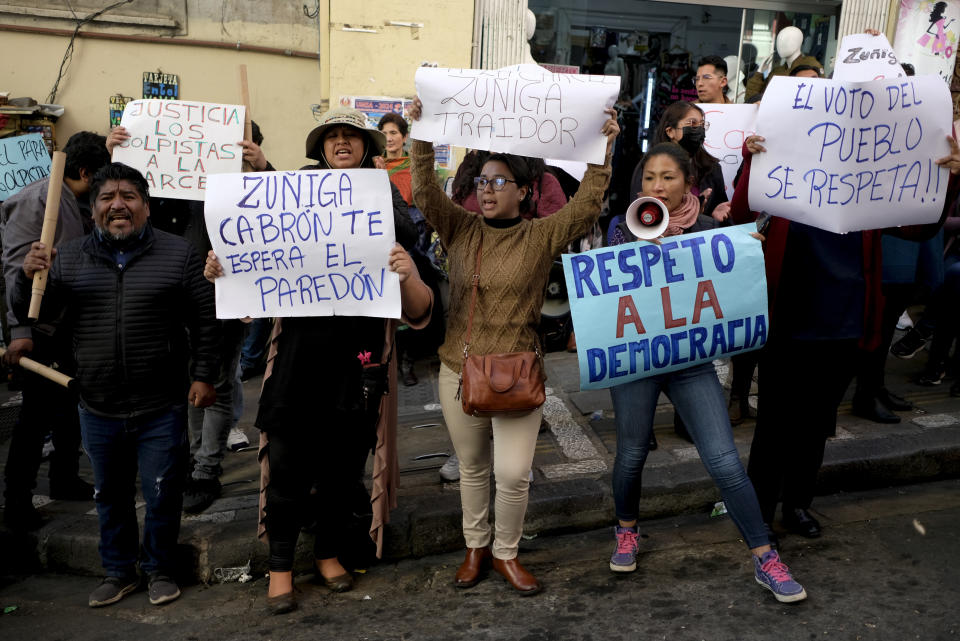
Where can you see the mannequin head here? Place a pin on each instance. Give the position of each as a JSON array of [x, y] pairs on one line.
[[789, 41], [529, 24], [733, 77], [613, 52]]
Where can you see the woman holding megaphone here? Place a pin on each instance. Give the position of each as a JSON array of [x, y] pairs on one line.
[[666, 180]]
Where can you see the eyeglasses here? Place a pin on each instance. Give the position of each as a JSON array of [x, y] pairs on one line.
[[498, 182], [707, 76], [694, 123]]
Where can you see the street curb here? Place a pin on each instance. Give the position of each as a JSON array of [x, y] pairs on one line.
[[430, 523]]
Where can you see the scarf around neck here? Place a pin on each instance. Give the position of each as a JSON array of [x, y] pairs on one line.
[[683, 217]]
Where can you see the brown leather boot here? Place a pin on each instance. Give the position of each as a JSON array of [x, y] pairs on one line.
[[474, 567], [515, 574]]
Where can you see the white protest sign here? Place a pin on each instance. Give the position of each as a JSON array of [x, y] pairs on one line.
[[863, 57], [523, 110], [303, 243], [176, 144], [850, 156], [729, 127]]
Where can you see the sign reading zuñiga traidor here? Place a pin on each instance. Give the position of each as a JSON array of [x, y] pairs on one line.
[[522, 110]]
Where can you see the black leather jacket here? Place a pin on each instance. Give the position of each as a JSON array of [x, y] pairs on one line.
[[133, 329]]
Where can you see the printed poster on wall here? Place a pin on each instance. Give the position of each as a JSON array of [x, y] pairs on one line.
[[375, 108], [177, 144], [161, 86], [303, 243], [927, 36], [641, 309]]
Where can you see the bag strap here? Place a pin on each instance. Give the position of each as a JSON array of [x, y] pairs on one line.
[[473, 296]]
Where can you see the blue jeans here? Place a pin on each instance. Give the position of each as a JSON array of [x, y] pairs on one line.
[[698, 398], [255, 344], [158, 443]]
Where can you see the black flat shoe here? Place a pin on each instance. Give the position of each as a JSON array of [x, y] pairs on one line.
[[800, 521], [340, 583], [873, 410], [893, 401], [281, 604]]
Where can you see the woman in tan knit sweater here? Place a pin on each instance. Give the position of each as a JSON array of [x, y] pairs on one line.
[[514, 267]]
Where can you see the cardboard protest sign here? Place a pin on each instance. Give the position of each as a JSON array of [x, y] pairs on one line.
[[303, 243], [850, 156], [729, 127], [863, 57], [23, 159], [522, 110], [175, 144], [641, 309]]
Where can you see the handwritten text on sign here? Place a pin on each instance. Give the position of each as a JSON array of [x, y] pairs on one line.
[[23, 159], [863, 57], [177, 144], [729, 127], [854, 155], [303, 243], [641, 309], [522, 110]]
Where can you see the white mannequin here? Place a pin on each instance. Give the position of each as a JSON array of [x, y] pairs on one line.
[[616, 67], [530, 26], [733, 79], [789, 42]]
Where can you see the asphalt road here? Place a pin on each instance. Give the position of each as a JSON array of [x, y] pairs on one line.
[[887, 568]]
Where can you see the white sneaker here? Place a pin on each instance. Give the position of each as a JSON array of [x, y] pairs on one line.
[[236, 439], [905, 322], [451, 469]]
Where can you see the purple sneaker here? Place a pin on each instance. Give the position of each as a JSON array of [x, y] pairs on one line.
[[774, 575], [624, 558]]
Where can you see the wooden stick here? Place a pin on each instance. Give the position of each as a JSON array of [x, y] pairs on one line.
[[48, 373], [245, 98], [49, 231]]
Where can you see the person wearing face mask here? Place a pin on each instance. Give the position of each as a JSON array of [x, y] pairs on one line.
[[515, 256], [665, 173], [684, 124]]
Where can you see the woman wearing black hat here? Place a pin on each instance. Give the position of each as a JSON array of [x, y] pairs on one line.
[[321, 410]]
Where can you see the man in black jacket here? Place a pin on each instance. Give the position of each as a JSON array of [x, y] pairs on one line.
[[138, 306]]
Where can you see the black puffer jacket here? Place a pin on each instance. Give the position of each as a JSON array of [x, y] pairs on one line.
[[133, 329]]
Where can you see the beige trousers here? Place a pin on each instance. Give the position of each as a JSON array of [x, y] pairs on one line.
[[514, 442]]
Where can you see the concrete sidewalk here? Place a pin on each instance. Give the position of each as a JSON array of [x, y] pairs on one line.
[[572, 467]]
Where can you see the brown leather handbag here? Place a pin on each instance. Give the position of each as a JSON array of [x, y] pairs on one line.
[[491, 383]]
